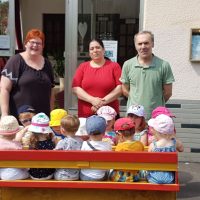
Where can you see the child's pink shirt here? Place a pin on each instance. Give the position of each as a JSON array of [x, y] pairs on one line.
[[9, 144]]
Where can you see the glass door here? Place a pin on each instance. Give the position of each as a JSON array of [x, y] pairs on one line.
[[109, 20]]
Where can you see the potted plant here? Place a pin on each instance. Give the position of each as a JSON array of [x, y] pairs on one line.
[[59, 66]]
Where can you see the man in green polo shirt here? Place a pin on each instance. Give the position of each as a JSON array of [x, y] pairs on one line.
[[146, 79]]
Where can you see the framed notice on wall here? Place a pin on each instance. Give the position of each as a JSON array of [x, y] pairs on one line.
[[4, 42], [111, 49], [195, 45], [7, 28]]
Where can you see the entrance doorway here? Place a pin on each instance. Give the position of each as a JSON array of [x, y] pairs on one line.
[[108, 20]]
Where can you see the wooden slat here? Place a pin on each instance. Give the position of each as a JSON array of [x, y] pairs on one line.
[[89, 184], [91, 165], [49, 155]]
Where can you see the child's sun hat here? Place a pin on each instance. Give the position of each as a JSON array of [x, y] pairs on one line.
[[107, 112], [40, 124], [56, 115], [9, 125], [123, 124], [163, 124], [82, 127], [95, 125], [161, 110], [25, 109], [136, 110]]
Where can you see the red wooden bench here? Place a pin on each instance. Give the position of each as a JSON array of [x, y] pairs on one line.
[[52, 189]]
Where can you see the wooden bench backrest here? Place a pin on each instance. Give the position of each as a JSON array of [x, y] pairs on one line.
[[89, 159]]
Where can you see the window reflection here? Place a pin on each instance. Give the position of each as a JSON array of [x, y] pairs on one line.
[[4, 7]]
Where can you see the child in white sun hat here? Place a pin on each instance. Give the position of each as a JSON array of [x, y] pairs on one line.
[[163, 131], [137, 115], [109, 114], [8, 128], [41, 139]]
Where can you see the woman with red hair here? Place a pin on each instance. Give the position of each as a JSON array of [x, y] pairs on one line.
[[27, 78]]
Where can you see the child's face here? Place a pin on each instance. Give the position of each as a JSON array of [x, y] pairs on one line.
[[56, 129], [136, 120], [120, 137], [154, 133], [109, 125], [25, 118]]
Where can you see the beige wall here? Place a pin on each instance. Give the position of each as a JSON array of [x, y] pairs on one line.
[[32, 11], [171, 22]]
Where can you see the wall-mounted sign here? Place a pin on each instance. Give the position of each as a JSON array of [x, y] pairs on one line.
[[4, 42], [111, 49]]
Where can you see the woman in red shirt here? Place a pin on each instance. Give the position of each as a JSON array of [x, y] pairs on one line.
[[96, 82]]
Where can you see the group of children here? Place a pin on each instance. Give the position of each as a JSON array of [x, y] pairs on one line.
[[100, 132]]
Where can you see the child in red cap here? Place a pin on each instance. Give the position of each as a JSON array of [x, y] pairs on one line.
[[125, 130]]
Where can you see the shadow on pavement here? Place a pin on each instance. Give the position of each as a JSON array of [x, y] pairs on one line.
[[188, 188]]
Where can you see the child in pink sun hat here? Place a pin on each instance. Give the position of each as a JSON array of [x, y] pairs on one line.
[[109, 114], [156, 112], [165, 141]]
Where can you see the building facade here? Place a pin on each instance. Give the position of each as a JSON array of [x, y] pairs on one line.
[[70, 24]]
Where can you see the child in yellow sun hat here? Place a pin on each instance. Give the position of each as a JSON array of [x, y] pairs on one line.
[[55, 118]]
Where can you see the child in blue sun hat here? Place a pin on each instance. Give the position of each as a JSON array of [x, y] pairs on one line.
[[95, 127]]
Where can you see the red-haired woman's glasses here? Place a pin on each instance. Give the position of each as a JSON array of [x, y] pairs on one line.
[[35, 43]]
